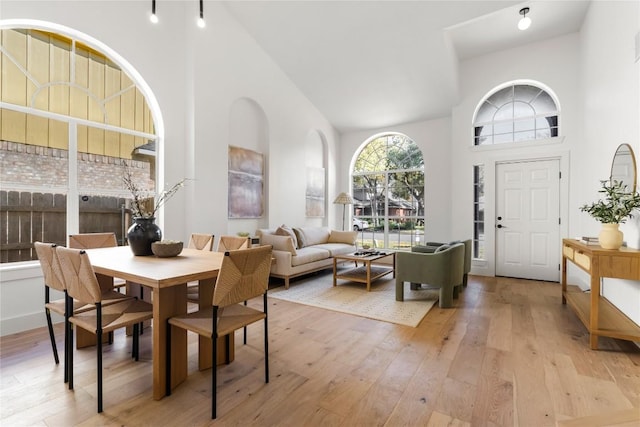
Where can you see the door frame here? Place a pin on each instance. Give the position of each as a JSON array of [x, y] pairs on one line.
[[487, 266]]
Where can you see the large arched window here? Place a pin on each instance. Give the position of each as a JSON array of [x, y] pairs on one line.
[[517, 112], [73, 117], [388, 189]]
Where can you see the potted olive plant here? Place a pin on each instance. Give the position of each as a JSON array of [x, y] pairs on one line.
[[613, 209]]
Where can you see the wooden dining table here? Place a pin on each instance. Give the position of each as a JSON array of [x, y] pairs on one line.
[[167, 278]]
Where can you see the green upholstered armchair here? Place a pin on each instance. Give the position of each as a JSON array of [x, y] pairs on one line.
[[443, 268], [432, 246]]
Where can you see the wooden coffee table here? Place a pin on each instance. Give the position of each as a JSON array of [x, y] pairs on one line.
[[367, 273]]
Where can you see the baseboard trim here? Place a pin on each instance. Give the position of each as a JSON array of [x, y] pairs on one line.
[[25, 323]]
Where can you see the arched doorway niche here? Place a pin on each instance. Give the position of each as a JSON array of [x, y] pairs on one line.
[[316, 181], [249, 130]]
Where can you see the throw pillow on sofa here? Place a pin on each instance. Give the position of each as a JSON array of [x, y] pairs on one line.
[[279, 243], [309, 236], [348, 237], [284, 230], [299, 238]]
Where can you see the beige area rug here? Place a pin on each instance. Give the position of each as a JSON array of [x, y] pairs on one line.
[[353, 298]]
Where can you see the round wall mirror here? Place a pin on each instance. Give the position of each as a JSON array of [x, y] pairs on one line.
[[623, 167]]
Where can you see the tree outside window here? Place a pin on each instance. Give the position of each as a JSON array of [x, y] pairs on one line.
[[388, 189]]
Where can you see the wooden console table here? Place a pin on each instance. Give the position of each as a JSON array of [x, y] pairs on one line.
[[600, 316]]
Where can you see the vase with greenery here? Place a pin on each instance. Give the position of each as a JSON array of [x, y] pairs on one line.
[[144, 205], [614, 208]]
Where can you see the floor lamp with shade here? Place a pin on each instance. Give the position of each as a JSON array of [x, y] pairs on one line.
[[343, 199]]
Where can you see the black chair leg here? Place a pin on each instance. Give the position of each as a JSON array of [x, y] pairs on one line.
[[135, 352], [54, 347], [227, 350], [214, 362], [266, 353], [69, 358], [214, 373], [266, 343], [47, 313], [68, 341], [244, 339], [99, 367], [68, 348]]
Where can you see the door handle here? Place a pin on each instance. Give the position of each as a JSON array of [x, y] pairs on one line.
[[500, 226]]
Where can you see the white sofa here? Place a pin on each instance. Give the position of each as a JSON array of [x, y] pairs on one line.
[[298, 251]]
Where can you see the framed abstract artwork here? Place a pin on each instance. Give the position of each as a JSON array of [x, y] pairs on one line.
[[246, 183], [315, 192]]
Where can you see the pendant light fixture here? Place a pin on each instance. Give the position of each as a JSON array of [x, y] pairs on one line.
[[525, 21], [153, 18], [201, 23]]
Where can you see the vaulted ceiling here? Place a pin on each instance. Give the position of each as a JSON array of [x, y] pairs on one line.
[[370, 64]]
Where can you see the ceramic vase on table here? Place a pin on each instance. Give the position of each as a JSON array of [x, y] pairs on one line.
[[610, 236], [142, 233]]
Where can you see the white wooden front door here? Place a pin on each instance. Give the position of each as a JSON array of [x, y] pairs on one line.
[[528, 220]]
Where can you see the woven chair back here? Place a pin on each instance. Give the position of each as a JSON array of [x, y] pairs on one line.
[[232, 243], [50, 265], [244, 274], [92, 240], [203, 242], [79, 276]]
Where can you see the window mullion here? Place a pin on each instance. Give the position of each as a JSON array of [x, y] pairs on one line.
[[73, 207]]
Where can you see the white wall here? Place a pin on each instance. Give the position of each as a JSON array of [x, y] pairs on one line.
[[611, 88], [555, 65], [196, 75], [235, 66]]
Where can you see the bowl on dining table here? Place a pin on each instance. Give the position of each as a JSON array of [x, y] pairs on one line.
[[167, 248]]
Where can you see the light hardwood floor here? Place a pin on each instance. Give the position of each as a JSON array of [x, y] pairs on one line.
[[508, 354]]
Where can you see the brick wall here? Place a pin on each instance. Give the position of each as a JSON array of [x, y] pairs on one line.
[[31, 167]]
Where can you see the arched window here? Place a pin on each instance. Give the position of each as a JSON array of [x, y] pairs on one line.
[[517, 112], [72, 120], [388, 192]]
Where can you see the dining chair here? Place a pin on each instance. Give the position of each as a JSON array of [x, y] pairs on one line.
[[103, 240], [53, 278], [244, 274], [203, 242], [100, 240], [233, 243], [93, 241], [82, 285]]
